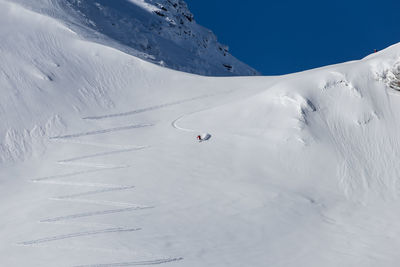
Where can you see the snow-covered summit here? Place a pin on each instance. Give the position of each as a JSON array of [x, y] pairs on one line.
[[160, 31]]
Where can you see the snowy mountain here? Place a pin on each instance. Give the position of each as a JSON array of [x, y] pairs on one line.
[[163, 32], [100, 166]]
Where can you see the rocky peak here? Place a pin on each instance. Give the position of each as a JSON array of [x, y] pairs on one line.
[[161, 31]]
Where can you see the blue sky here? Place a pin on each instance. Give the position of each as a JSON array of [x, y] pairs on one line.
[[285, 36]]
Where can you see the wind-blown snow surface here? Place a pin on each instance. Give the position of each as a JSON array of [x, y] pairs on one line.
[[101, 167]]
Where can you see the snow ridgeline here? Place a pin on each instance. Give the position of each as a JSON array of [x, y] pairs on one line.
[[163, 32]]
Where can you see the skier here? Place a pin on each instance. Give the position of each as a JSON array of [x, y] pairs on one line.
[[203, 137]]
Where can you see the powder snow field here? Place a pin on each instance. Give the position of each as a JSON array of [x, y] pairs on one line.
[[100, 165]]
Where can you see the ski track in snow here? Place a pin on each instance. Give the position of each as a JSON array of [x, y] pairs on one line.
[[103, 131], [175, 122], [81, 142], [105, 190], [92, 213], [78, 184], [102, 154], [83, 224], [176, 126], [79, 249], [129, 113], [79, 234], [92, 165], [133, 263], [98, 202], [71, 174]]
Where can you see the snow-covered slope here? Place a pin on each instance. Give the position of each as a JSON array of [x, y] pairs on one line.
[[100, 165], [160, 31]]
